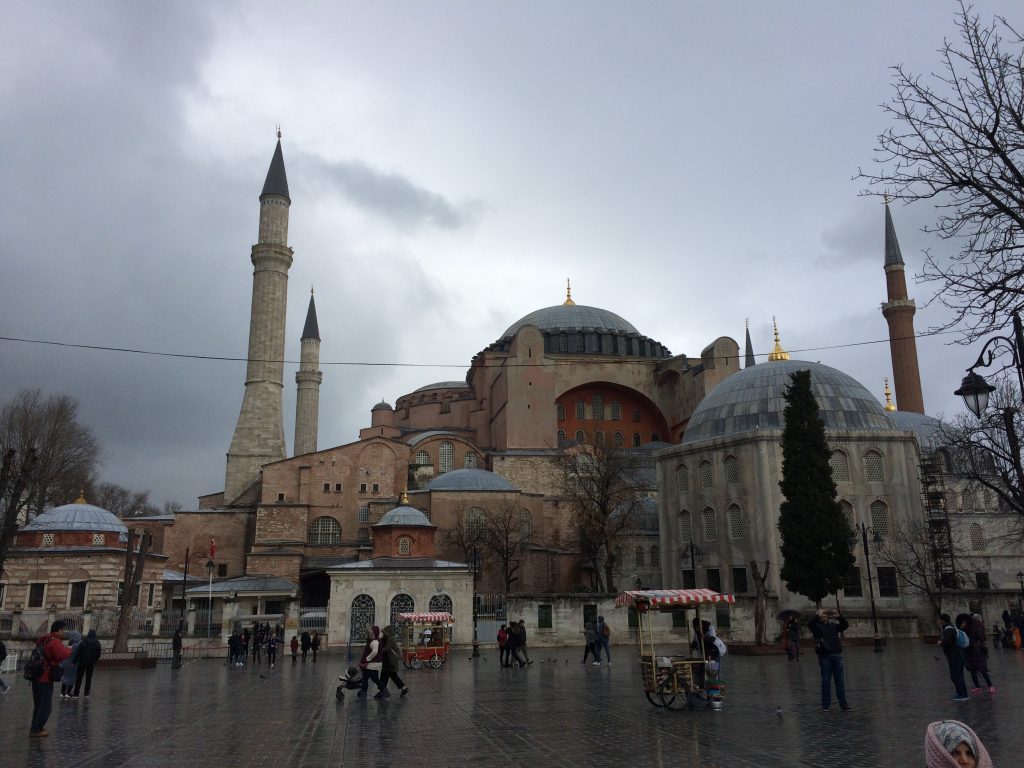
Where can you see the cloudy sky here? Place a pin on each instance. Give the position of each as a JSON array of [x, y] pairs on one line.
[[688, 165]]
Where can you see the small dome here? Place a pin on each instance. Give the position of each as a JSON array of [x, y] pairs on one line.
[[754, 399], [404, 516], [77, 517], [927, 429], [470, 480], [381, 406], [572, 317]]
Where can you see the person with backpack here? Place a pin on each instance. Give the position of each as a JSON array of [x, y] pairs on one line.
[[954, 642], [4, 687], [41, 669], [89, 652], [604, 637]]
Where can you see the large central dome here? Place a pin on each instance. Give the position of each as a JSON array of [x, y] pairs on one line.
[[572, 317]]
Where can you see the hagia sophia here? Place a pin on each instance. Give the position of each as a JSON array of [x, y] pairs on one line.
[[372, 526]]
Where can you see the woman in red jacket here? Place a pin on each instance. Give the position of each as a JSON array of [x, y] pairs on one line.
[[54, 652]]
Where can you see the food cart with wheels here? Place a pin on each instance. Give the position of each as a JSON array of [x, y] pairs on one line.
[[425, 638], [675, 682]]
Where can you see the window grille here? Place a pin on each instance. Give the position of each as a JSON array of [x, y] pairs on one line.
[[977, 537], [405, 546], [707, 479], [617, 440], [581, 409], [636, 439], [685, 527], [737, 526], [363, 516], [880, 518], [710, 524], [840, 467], [616, 410], [469, 460], [638, 558], [597, 407], [873, 466], [325, 530], [422, 457], [847, 509], [732, 470], [655, 556], [447, 456], [682, 479]]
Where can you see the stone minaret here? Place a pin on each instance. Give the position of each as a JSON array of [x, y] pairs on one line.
[[259, 434], [899, 313], [307, 379], [749, 350]]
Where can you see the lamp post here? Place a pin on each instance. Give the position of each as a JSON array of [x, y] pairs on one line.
[[209, 571], [877, 538], [693, 556], [1020, 580], [476, 574]]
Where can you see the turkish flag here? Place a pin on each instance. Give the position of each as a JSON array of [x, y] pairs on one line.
[[213, 549]]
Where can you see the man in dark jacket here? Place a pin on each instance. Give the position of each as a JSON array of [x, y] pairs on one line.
[[954, 656], [54, 652], [827, 626], [306, 643], [89, 651]]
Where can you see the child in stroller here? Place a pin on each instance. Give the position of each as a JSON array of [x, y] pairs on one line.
[[351, 681]]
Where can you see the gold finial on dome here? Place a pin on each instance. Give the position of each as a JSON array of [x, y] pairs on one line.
[[404, 500], [777, 353], [568, 294], [81, 497], [888, 397]]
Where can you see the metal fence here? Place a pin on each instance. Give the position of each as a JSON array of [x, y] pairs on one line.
[[313, 617], [206, 623]]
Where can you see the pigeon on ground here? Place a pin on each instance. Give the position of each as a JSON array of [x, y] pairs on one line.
[[778, 712]]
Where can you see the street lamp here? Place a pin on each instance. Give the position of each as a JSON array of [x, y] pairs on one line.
[[476, 574], [693, 556], [210, 567], [877, 538]]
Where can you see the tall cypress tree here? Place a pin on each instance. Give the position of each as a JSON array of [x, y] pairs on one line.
[[815, 537]]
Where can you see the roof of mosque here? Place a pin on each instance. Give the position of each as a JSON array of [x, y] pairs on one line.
[[753, 399], [77, 517], [443, 385], [470, 480], [404, 516], [277, 179], [927, 428], [572, 317], [383, 405]]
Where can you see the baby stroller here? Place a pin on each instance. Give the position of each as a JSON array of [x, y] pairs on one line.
[[352, 680]]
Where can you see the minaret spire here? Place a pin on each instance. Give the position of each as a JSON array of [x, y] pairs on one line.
[[899, 314], [749, 348], [259, 433], [777, 353], [307, 380]]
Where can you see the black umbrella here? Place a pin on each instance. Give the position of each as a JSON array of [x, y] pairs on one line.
[[787, 613]]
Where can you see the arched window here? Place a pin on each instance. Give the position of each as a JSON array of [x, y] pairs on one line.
[[580, 436], [685, 527], [655, 556], [580, 347], [970, 502], [599, 438], [325, 530], [405, 546], [638, 558], [401, 603], [561, 412], [525, 526], [636, 439], [364, 616], [597, 407], [710, 524], [840, 466], [561, 436], [682, 479], [737, 526], [476, 523], [446, 456], [880, 518], [563, 343], [847, 509], [873, 467], [987, 496], [977, 538], [422, 457], [707, 478], [732, 470], [441, 604], [581, 409], [617, 440], [469, 460]]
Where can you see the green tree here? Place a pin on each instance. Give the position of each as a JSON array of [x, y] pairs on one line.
[[815, 537]]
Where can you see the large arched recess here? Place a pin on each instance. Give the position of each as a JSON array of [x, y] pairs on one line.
[[637, 414]]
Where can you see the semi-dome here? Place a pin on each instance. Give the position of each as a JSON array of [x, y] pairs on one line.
[[77, 517], [470, 480], [405, 516], [572, 317], [754, 399], [382, 406], [443, 385], [927, 428]]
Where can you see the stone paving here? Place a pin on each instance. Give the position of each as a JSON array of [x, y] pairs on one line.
[[555, 713]]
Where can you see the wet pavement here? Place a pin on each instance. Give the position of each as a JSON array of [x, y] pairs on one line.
[[557, 712]]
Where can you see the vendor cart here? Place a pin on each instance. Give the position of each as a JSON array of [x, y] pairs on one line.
[[425, 638], [676, 682]]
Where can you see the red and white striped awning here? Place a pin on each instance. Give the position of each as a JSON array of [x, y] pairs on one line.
[[441, 617], [668, 597]]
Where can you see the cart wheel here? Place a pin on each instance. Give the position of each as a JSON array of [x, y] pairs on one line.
[[436, 661], [654, 698], [416, 662], [676, 701]]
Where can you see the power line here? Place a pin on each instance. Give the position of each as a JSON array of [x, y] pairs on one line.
[[366, 364]]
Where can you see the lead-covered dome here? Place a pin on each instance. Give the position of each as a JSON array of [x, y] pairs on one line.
[[77, 517], [470, 480], [404, 516], [928, 430], [572, 317], [753, 399]]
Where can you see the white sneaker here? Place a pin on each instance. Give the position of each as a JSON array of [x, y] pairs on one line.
[[597, 663]]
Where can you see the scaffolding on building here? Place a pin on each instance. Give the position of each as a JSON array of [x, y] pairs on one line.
[[937, 520]]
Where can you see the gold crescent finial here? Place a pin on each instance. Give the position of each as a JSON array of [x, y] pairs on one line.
[[278, 131], [777, 353], [888, 397], [568, 294], [404, 501], [81, 497]]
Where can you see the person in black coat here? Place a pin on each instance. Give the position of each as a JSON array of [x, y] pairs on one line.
[[306, 643], [976, 659], [827, 628]]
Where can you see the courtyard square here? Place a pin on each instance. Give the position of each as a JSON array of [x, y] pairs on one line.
[[557, 712]]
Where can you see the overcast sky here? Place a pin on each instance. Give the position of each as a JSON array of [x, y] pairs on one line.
[[687, 165]]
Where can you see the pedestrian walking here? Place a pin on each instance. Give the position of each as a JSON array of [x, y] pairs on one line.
[[953, 648], [233, 642], [89, 653], [826, 627], [502, 646], [4, 687], [590, 640], [314, 643], [54, 652], [69, 667], [976, 658], [371, 663], [272, 641], [391, 661], [512, 646], [522, 642], [952, 744], [243, 647], [306, 643], [259, 642], [295, 648], [604, 638], [792, 638]]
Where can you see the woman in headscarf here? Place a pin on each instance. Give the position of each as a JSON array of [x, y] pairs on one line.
[[371, 662], [951, 744]]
